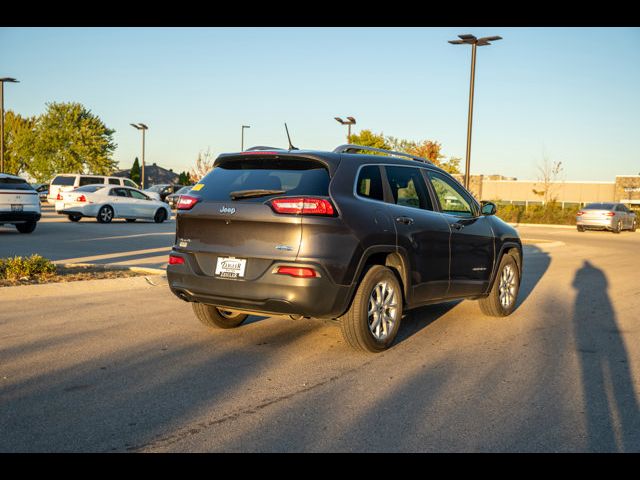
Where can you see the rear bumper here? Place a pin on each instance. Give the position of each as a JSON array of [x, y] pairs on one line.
[[19, 217], [595, 223], [269, 293]]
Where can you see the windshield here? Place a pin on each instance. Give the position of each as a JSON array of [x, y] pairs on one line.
[[60, 180], [155, 188], [8, 183], [282, 176], [599, 206]]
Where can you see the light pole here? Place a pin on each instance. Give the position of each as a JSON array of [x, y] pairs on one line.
[[2, 80], [242, 138], [144, 128], [474, 42], [350, 121]]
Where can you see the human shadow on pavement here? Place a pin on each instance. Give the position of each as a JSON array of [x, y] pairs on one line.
[[611, 407]]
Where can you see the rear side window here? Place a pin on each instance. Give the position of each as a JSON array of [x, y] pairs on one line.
[[14, 184], [114, 181], [90, 180], [369, 183], [291, 176], [60, 180], [408, 187]]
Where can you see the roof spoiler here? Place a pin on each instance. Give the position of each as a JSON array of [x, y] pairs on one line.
[[350, 148]]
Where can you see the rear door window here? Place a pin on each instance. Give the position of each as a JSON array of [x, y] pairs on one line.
[[90, 180], [114, 181], [408, 187], [286, 176]]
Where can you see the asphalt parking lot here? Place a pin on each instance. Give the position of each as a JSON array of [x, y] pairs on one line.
[[116, 369], [143, 243]]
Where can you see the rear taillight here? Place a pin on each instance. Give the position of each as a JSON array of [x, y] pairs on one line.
[[59, 197], [175, 260], [302, 205], [81, 198], [186, 202], [579, 213], [609, 214], [299, 272]]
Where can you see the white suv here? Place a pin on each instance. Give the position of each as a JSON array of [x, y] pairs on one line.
[[65, 182], [19, 203]]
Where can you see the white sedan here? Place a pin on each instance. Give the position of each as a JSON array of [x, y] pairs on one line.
[[106, 202]]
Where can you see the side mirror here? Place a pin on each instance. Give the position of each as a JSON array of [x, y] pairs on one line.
[[488, 208]]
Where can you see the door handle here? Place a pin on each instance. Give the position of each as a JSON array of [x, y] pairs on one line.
[[457, 226], [405, 220]]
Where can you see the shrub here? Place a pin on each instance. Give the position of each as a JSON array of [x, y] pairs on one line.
[[33, 267], [551, 213]]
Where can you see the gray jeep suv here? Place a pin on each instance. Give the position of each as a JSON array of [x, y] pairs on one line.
[[342, 235]]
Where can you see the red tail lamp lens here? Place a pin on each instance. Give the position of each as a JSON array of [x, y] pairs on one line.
[[175, 260], [59, 197], [302, 205], [579, 213], [609, 214], [81, 198], [186, 202], [299, 272]]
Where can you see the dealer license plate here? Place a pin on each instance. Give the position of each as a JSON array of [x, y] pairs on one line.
[[230, 267]]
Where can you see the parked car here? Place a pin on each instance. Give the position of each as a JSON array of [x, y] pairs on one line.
[[338, 235], [172, 199], [106, 202], [19, 203], [66, 182], [163, 190], [606, 216], [42, 189]]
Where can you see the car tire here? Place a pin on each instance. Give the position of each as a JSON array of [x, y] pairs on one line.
[[503, 296], [379, 294], [74, 218], [130, 220], [580, 228], [26, 227], [212, 316], [618, 227], [160, 216], [105, 214]]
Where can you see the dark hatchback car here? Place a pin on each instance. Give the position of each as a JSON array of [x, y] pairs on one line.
[[339, 235]]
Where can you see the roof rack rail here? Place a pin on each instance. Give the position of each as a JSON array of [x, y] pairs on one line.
[[349, 148], [263, 148]]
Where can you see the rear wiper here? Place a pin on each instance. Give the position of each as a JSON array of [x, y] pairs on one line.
[[253, 193]]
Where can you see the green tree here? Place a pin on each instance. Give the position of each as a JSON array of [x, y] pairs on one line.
[[18, 142], [184, 178], [369, 139], [134, 173], [69, 138]]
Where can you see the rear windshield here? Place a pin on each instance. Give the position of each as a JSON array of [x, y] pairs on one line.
[[599, 206], [60, 180], [14, 184], [294, 176], [89, 188]]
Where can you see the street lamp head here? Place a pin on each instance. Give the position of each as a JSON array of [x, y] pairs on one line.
[[352, 120], [246, 126], [143, 126], [9, 79], [339, 120], [135, 126], [139, 126]]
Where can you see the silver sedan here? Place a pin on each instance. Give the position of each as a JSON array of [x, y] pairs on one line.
[[606, 216]]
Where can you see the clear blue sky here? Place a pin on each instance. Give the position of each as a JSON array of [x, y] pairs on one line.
[[570, 93]]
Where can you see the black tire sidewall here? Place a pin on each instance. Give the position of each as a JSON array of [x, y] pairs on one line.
[[160, 216]]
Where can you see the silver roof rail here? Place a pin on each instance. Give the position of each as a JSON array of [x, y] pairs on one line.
[[349, 148]]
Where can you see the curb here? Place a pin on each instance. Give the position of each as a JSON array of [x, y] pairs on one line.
[[544, 225], [109, 266]]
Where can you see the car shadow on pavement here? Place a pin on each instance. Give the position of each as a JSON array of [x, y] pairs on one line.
[[611, 408], [535, 265]]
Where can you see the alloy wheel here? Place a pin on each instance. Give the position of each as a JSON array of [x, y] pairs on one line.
[[507, 287], [382, 311]]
